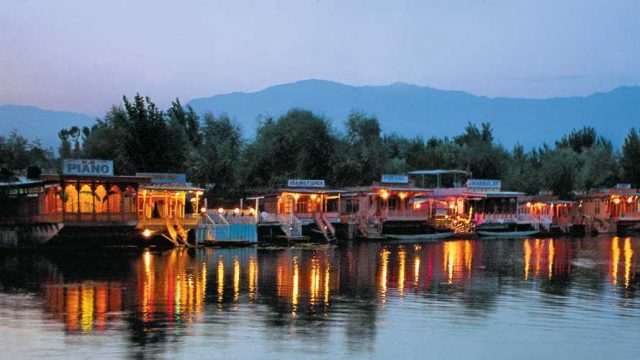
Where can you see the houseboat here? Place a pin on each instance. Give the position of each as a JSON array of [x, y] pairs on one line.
[[394, 208], [94, 207], [20, 224], [485, 208], [551, 215], [303, 210], [613, 210]]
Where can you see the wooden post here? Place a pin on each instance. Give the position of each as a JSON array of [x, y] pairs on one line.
[[108, 202], [122, 205], [93, 200], [78, 202], [63, 194], [257, 210]]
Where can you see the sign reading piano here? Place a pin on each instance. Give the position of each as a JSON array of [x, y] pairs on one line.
[[88, 167]]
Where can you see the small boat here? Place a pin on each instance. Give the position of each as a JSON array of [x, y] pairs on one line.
[[507, 234], [506, 229], [420, 237]]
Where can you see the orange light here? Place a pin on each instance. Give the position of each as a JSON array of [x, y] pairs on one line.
[[252, 210], [384, 195], [313, 196], [418, 205], [402, 195], [629, 200], [528, 204], [236, 211], [451, 206], [220, 211], [146, 233], [193, 200], [203, 209], [616, 201], [296, 197]]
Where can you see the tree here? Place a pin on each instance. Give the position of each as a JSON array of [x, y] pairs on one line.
[[558, 171], [65, 144], [630, 161], [367, 151], [299, 144], [217, 164]]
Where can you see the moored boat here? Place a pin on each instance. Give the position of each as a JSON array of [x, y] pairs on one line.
[[420, 237]]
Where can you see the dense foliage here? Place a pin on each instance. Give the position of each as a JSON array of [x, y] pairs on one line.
[[300, 144]]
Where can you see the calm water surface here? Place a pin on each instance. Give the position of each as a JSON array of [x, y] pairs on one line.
[[535, 298]]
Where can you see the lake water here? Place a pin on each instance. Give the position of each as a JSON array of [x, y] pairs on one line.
[[486, 299]]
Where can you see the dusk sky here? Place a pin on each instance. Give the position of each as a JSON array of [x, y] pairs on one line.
[[84, 55]]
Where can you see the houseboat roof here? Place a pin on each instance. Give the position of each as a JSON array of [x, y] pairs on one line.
[[274, 192], [171, 187], [438, 172], [547, 199], [463, 192], [603, 193], [105, 178], [394, 187], [23, 182]]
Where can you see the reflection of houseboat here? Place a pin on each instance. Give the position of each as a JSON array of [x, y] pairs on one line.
[[299, 213], [611, 210], [98, 208], [393, 208]]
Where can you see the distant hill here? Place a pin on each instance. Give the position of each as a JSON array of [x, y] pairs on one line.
[[35, 123], [412, 110]]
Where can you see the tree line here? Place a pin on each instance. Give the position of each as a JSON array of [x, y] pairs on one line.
[[213, 153]]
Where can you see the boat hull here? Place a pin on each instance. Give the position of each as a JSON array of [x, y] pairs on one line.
[[419, 237], [507, 234]]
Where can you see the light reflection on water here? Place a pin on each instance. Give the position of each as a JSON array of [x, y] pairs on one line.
[[460, 298]]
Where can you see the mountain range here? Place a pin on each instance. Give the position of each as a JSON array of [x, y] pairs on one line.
[[412, 110], [35, 123], [405, 109]]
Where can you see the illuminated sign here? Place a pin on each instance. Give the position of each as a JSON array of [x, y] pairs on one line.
[[484, 185], [395, 179], [165, 178], [623, 186], [87, 167], [305, 183]]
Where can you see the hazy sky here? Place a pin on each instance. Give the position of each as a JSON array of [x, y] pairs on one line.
[[83, 55]]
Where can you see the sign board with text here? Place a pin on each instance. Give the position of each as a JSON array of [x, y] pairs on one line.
[[165, 178], [484, 185], [305, 183], [623, 186], [87, 167], [395, 179]]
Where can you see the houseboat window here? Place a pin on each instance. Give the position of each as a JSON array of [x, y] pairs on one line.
[[285, 206], [352, 205], [101, 199], [332, 205], [70, 199], [115, 197], [301, 205], [394, 203]]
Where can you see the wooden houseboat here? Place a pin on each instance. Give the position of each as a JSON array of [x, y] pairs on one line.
[[97, 208], [551, 215], [20, 224], [303, 210], [394, 208], [485, 208], [613, 210]]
